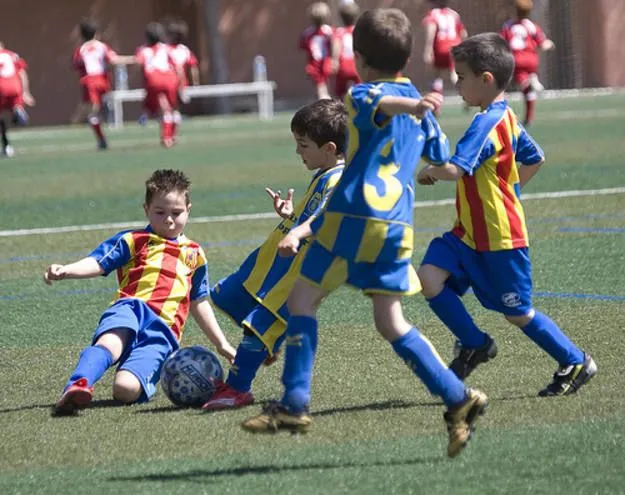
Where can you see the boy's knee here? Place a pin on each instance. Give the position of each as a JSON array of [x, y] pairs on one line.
[[304, 299], [521, 321], [126, 387], [432, 280]]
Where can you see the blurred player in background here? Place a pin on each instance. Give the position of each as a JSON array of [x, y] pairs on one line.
[[14, 94], [443, 30], [343, 64], [161, 79], [92, 60], [525, 38], [316, 41]]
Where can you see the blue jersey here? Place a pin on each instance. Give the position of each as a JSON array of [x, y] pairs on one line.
[[266, 275], [369, 216]]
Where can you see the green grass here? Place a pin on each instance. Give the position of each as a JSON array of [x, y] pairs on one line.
[[376, 429]]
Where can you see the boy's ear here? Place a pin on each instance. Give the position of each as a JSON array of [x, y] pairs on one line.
[[330, 147], [488, 77]]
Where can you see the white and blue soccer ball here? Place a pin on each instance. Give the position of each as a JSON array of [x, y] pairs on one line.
[[190, 376]]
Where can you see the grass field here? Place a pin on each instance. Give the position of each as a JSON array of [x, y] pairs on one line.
[[376, 429]]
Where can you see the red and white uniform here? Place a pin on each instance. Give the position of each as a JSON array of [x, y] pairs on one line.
[[346, 74], [184, 58], [159, 75], [524, 38], [91, 60], [317, 43], [449, 28], [11, 64]]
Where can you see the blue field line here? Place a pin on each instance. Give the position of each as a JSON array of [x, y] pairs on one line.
[[545, 294], [591, 230]]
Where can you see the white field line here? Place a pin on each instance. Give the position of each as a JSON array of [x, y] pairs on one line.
[[271, 215]]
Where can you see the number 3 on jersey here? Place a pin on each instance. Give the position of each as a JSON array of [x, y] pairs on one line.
[[393, 188]]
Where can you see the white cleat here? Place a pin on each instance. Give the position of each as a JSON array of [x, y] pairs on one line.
[[535, 83], [8, 151]]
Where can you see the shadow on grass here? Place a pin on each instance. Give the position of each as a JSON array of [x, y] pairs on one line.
[[96, 404], [200, 474], [376, 406]]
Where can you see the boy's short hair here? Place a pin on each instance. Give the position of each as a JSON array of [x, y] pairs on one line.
[[440, 3], [487, 52], [319, 13], [88, 28], [383, 37], [323, 121], [349, 13], [177, 31], [154, 32], [165, 181]]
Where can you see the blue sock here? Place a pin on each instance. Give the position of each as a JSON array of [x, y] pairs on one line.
[[548, 336], [92, 364], [449, 308], [299, 359], [424, 361], [250, 356]]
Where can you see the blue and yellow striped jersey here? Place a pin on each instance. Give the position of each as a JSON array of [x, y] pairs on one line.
[[369, 216], [269, 277]]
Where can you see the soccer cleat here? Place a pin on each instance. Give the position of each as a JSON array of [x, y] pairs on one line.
[[8, 151], [460, 420], [568, 379], [466, 360], [143, 120], [20, 117], [76, 396], [168, 142], [103, 144], [226, 397], [274, 417]]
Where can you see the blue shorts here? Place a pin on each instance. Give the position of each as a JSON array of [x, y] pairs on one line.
[[328, 271], [151, 345], [235, 301], [501, 280]]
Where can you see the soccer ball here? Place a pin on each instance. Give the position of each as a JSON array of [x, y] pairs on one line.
[[189, 376]]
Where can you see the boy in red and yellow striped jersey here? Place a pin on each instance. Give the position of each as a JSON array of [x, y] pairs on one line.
[[162, 276], [488, 247]]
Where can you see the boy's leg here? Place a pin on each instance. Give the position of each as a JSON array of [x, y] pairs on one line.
[[575, 368], [3, 136], [96, 125], [464, 406], [92, 364]]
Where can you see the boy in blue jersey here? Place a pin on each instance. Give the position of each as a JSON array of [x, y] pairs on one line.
[[364, 237], [162, 277], [488, 247], [255, 295]]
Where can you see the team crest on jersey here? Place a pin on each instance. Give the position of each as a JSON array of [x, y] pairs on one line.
[[313, 203], [190, 256], [511, 299]]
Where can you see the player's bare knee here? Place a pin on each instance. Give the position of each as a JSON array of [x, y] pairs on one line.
[[432, 280], [126, 387], [521, 321]]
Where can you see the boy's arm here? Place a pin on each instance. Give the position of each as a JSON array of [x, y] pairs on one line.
[[204, 315], [526, 172], [26, 94], [428, 49], [283, 207], [395, 105], [289, 246], [85, 268], [429, 174], [195, 75], [547, 45]]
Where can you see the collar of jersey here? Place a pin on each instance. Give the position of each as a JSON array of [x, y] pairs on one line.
[[399, 79], [150, 231]]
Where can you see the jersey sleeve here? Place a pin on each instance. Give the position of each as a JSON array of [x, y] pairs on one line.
[[363, 101], [428, 19], [539, 35], [528, 152], [323, 193], [112, 253], [77, 62], [192, 60], [436, 147], [474, 147], [109, 54], [200, 280]]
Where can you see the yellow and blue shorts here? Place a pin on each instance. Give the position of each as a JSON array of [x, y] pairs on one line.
[[328, 271]]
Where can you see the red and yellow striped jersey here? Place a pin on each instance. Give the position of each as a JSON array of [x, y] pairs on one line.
[[490, 216], [166, 274]]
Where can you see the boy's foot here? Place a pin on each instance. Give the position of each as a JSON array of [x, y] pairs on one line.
[[77, 396], [461, 418], [569, 379], [276, 416], [226, 397], [143, 120], [103, 144], [8, 151], [466, 360], [168, 142], [20, 117]]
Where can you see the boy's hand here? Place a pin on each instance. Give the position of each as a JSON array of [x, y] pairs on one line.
[[54, 272], [283, 207], [227, 351], [430, 102], [28, 99], [424, 178], [289, 246]]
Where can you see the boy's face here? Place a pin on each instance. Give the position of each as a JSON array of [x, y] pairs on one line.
[[313, 156], [472, 87], [168, 213]]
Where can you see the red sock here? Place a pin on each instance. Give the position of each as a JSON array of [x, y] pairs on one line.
[[530, 103], [97, 128]]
